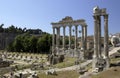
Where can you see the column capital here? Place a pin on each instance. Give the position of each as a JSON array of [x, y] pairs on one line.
[[106, 16], [96, 17], [57, 27], [70, 26], [53, 27], [86, 25], [64, 26], [76, 25]]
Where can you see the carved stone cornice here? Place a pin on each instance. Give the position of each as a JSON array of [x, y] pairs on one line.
[[67, 21]]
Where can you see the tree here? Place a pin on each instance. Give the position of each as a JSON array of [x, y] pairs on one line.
[[33, 43], [44, 43], [26, 42], [12, 29], [1, 28], [10, 47], [66, 40], [17, 44]]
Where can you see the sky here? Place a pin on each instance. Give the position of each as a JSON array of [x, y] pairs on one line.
[[36, 14]]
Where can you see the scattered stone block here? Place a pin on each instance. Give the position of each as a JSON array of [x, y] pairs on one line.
[[51, 72]]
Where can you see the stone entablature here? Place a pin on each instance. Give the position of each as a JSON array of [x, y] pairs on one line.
[[99, 12], [68, 21]]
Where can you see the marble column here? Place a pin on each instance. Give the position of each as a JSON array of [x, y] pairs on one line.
[[106, 51], [70, 37], [58, 37], [85, 37], [53, 40], [82, 38], [95, 55], [99, 36], [63, 37], [76, 36], [85, 41]]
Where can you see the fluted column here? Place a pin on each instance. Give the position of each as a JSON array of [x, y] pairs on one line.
[[85, 37], [99, 36], [106, 40], [63, 38], [95, 55], [106, 35], [76, 35], [82, 38], [58, 37], [70, 37], [84, 48], [53, 38], [95, 36]]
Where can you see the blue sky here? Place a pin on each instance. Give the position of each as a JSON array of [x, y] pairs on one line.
[[40, 13]]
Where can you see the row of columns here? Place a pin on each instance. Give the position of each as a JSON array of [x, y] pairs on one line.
[[83, 41], [97, 40]]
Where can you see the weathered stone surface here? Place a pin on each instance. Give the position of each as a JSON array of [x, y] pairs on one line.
[[100, 62], [68, 21], [51, 72], [4, 63]]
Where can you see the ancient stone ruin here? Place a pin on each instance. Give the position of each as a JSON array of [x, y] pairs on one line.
[[100, 61], [3, 61], [64, 23]]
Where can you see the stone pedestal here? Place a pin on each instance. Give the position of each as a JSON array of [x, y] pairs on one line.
[[82, 55], [107, 62], [95, 61]]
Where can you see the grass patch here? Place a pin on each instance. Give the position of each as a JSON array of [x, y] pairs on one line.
[[63, 74], [21, 67], [67, 63], [111, 73], [113, 60]]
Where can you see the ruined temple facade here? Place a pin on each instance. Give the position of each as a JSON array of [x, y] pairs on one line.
[[69, 22]]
